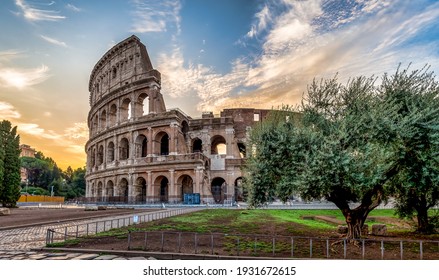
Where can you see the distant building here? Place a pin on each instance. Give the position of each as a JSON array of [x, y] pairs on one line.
[[26, 151]]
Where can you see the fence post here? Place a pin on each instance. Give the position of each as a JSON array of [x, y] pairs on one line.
[[77, 229], [255, 244], [211, 243], [401, 248], [129, 240], [382, 249], [146, 240], [96, 228], [87, 229], [105, 223], [420, 250], [196, 241], [237, 248], [163, 241], [363, 248], [310, 248], [344, 248], [65, 233], [292, 247], [327, 248], [179, 242]]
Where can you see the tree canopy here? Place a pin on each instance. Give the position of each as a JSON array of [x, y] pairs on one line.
[[352, 144]]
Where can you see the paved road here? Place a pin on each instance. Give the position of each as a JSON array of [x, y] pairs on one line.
[[25, 242]]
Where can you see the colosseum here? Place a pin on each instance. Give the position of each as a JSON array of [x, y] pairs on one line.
[[141, 152]]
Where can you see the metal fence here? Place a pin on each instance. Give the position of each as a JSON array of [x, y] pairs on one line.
[[92, 228], [281, 246]]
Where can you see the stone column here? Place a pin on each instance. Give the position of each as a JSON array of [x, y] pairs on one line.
[[172, 192], [173, 138], [150, 187], [230, 132], [198, 174], [149, 143]]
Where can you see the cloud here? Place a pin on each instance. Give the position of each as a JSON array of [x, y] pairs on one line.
[[23, 78], [7, 111], [155, 16], [54, 41], [32, 13], [302, 40], [35, 130], [79, 131], [9, 55], [73, 8]]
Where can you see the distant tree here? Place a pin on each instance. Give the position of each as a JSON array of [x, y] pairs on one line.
[[41, 170], [9, 164]]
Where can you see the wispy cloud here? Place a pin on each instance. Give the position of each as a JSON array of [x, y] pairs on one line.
[[34, 12], [155, 16], [22, 78], [73, 8], [302, 40], [54, 41], [7, 111], [8, 55]]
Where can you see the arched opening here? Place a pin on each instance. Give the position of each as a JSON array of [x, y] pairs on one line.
[[124, 149], [197, 146], [95, 124], [141, 146], [103, 120], [112, 115], [163, 189], [239, 191], [143, 107], [187, 185], [125, 110], [93, 157], [93, 190], [99, 192], [242, 150], [100, 155], [109, 189], [114, 73], [140, 189], [218, 145], [185, 129], [123, 190], [162, 140], [218, 188], [110, 152]]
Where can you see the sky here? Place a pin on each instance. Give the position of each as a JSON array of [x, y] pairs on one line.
[[211, 54]]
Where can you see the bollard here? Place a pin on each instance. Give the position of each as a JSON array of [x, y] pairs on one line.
[[327, 248], [344, 248], [420, 250], [310, 248], [401, 249], [363, 250], [382, 249], [292, 247]]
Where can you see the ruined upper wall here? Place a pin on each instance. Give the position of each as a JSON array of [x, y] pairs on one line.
[[125, 63]]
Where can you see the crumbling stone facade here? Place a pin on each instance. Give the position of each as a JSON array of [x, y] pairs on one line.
[[138, 151]]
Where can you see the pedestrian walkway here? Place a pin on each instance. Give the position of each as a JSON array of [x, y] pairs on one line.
[[36, 255]]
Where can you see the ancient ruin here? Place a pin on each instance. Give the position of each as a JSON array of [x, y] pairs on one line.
[[138, 151]]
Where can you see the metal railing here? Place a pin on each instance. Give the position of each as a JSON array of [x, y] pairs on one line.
[[280, 246], [76, 231]]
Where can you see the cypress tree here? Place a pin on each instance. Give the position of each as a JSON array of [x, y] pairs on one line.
[[9, 164]]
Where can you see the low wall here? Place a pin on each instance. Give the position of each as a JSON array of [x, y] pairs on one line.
[[41, 198]]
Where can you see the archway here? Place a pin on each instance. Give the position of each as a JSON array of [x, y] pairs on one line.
[[218, 188], [110, 152], [124, 149], [187, 185], [239, 191], [141, 146], [140, 189], [162, 139], [112, 115], [218, 145], [163, 185], [123, 190], [109, 189], [197, 146]]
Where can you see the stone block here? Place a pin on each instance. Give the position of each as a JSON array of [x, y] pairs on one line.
[[91, 208], [4, 211], [102, 207], [379, 229]]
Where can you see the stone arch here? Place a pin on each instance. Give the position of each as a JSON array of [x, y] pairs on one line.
[[124, 149], [110, 152], [242, 150], [99, 190], [100, 157], [162, 185], [95, 123], [93, 157], [218, 188], [141, 146], [112, 115], [218, 145], [103, 120], [109, 189], [162, 140], [140, 189], [122, 191], [186, 185], [239, 190], [185, 129], [143, 104], [125, 110], [197, 145]]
